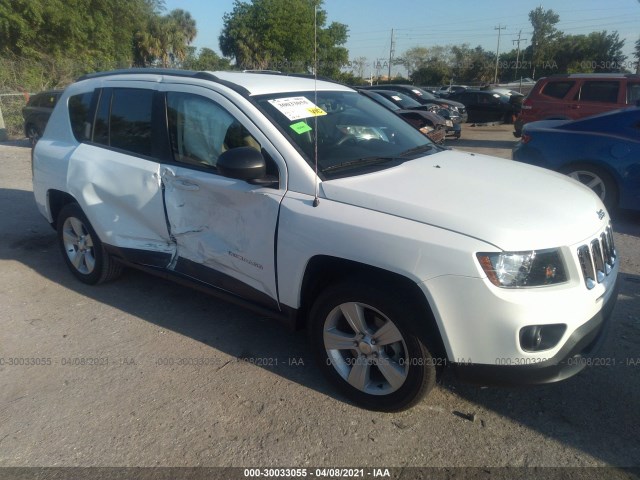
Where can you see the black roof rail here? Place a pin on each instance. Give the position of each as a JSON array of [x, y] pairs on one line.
[[151, 71], [174, 72]]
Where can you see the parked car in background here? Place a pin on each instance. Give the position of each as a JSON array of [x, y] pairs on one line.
[[428, 123], [447, 90], [451, 115], [523, 85], [424, 97], [570, 97], [37, 112], [487, 105], [431, 89], [601, 151]]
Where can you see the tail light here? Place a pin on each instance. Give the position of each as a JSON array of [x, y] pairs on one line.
[[525, 138], [527, 104]]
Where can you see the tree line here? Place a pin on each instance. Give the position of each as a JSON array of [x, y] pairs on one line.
[[549, 51], [49, 43]]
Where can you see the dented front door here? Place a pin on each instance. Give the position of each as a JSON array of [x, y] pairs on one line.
[[224, 230]]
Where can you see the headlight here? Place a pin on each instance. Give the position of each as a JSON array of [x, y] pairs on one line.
[[427, 129], [449, 123], [534, 268]]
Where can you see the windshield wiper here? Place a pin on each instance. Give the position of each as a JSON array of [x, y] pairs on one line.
[[359, 162], [420, 149]]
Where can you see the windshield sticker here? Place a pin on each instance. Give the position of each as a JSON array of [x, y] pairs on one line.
[[300, 127], [396, 98], [417, 92], [295, 108]]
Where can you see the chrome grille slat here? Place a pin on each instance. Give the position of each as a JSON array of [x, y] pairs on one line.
[[598, 261], [597, 258]]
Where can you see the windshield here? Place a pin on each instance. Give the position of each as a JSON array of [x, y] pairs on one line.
[[405, 101], [355, 134], [423, 93], [382, 100]]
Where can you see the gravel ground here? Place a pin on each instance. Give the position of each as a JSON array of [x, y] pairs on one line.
[[143, 373]]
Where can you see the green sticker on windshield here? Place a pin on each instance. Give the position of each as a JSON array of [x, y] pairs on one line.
[[300, 127]]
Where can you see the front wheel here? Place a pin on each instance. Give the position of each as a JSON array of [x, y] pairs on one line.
[[364, 342], [81, 248], [33, 134]]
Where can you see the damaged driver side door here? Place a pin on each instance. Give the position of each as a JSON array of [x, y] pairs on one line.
[[224, 228]]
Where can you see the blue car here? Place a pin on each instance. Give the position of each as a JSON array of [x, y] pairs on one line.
[[602, 151]]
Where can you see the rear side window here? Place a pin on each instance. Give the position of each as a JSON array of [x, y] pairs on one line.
[[633, 93], [123, 120], [605, 92], [79, 106], [557, 89]]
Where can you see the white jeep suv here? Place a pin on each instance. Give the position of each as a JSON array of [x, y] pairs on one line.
[[312, 204]]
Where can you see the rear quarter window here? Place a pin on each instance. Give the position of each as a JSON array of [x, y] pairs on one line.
[[557, 89], [633, 93], [79, 106], [603, 92]]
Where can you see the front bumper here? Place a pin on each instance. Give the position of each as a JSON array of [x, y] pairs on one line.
[[568, 361]]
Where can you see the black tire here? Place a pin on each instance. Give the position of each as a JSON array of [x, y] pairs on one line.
[[391, 374], [598, 180], [81, 248], [33, 134]]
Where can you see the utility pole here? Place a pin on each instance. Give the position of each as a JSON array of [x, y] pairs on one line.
[[518, 55], [392, 50], [499, 28]]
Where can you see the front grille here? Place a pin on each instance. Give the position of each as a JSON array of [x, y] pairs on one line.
[[597, 258]]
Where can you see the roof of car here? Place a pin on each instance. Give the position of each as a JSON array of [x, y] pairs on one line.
[[253, 83], [594, 75]]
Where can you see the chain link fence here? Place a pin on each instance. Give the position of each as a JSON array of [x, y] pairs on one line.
[[11, 121]]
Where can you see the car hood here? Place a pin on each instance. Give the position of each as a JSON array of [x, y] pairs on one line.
[[508, 204]]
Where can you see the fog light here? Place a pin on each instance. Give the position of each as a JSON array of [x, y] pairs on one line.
[[536, 338]]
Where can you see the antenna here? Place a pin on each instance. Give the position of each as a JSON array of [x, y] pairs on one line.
[[316, 199]]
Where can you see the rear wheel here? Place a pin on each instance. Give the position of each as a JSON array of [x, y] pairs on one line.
[[81, 248], [364, 342], [597, 180]]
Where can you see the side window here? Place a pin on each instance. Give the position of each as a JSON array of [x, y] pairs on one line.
[[633, 93], [557, 89], [37, 101], [79, 106], [605, 92], [101, 127], [51, 100], [123, 120], [130, 120], [200, 130]]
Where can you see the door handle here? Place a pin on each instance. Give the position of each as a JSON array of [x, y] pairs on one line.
[[187, 185]]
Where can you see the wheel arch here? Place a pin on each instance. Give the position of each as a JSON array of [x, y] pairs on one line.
[[56, 200], [323, 270]]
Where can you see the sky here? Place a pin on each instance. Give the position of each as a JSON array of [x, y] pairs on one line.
[[424, 24]]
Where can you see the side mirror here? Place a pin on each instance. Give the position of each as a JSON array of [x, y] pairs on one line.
[[243, 163]]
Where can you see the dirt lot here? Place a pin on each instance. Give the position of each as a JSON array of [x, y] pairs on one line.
[[143, 372]]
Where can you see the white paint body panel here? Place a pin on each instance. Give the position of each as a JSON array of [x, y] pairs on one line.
[[121, 196]]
